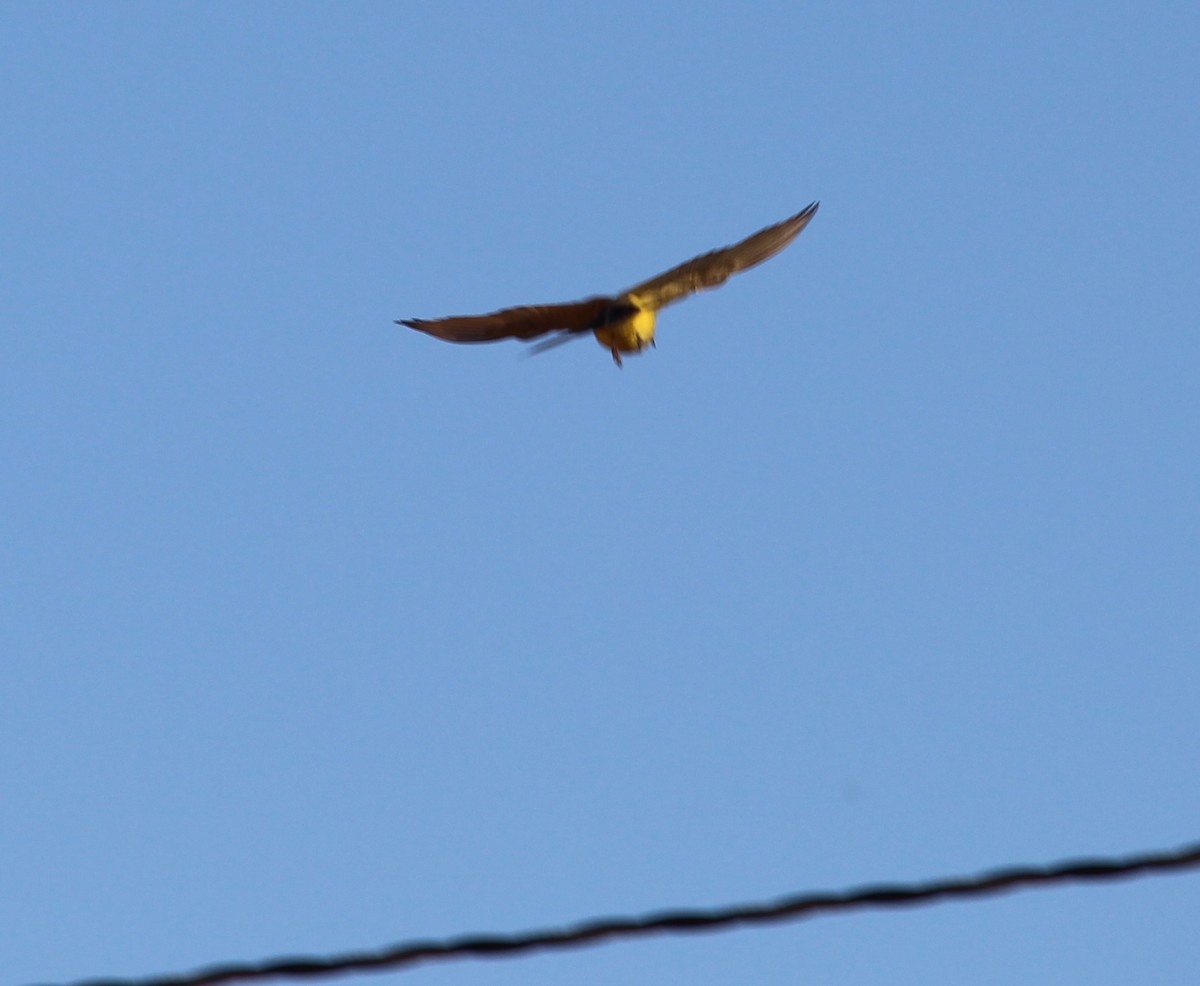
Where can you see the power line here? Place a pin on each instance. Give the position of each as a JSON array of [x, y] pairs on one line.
[[790, 908]]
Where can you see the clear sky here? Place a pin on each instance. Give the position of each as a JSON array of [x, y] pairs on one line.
[[318, 633]]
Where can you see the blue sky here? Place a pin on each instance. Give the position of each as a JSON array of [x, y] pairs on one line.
[[319, 633]]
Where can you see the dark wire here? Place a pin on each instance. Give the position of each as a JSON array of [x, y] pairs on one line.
[[680, 921]]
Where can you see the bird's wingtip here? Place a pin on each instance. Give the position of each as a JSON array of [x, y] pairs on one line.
[[801, 218]]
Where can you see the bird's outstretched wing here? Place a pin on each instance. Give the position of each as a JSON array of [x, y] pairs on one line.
[[714, 268], [524, 322]]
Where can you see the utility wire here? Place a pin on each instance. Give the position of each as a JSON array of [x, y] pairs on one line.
[[873, 896]]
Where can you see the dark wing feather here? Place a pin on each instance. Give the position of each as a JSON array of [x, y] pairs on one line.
[[714, 268], [524, 322]]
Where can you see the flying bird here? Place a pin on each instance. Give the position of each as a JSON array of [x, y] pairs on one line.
[[621, 323]]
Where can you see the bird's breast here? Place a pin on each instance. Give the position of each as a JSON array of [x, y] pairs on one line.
[[630, 334]]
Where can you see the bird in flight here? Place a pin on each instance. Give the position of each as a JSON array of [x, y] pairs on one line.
[[621, 323]]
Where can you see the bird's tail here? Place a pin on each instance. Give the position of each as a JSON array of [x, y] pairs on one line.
[[552, 343]]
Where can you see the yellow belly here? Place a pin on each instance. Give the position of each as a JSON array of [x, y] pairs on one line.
[[630, 335]]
